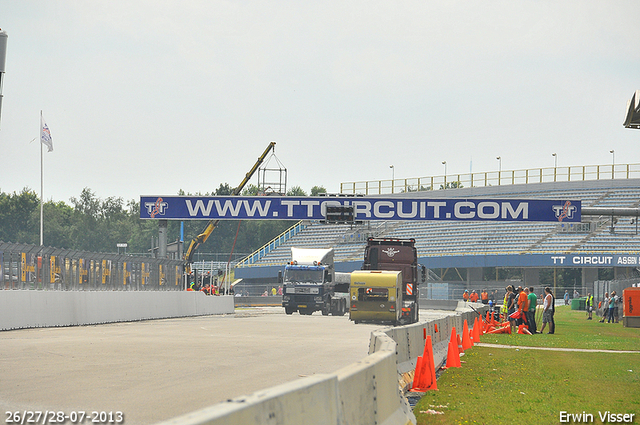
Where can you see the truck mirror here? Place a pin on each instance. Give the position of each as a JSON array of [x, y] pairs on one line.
[[423, 272]]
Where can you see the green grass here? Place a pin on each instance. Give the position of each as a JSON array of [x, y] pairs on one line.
[[506, 386]]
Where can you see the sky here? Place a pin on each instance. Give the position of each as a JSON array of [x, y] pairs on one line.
[[152, 97]]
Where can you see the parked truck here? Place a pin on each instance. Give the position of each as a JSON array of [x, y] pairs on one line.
[[309, 283], [396, 255]]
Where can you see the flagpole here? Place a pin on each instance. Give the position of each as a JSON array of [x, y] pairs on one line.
[[41, 186]]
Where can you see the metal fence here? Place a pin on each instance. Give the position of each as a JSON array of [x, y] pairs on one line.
[[46, 268], [493, 178]]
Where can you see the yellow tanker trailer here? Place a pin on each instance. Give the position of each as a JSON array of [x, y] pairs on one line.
[[376, 296]]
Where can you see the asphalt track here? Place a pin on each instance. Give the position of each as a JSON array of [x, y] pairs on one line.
[[156, 370]]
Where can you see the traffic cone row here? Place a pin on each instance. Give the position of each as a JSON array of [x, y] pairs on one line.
[[425, 374]]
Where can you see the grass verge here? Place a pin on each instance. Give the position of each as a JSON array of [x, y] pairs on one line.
[[511, 385]]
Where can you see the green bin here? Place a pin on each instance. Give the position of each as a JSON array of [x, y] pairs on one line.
[[579, 303]]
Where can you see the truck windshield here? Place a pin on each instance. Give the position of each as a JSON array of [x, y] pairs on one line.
[[300, 275]]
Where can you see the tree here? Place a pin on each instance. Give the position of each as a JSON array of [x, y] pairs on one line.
[[296, 191], [20, 217], [452, 185], [224, 190], [251, 190], [317, 190]]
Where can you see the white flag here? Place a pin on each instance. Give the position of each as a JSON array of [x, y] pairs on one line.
[[45, 136]]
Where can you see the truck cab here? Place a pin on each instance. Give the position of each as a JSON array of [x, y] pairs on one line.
[[309, 283]]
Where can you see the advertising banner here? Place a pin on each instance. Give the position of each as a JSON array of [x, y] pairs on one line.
[[365, 209]]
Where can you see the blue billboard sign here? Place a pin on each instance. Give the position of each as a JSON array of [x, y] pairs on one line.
[[314, 208]]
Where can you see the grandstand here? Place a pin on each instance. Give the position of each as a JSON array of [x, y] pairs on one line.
[[469, 244]]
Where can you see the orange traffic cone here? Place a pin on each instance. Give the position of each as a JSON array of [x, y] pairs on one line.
[[453, 355], [501, 330], [466, 340], [460, 347], [427, 374], [476, 331], [417, 376], [522, 329]]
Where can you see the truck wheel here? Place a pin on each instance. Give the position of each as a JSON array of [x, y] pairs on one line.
[[289, 310]]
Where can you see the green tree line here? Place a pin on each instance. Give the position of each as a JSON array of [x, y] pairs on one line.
[[91, 223]]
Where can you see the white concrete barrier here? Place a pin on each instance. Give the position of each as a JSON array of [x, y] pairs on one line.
[[310, 400], [21, 309]]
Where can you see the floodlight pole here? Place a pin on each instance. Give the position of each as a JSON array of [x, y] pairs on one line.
[[393, 177], [445, 173], [613, 163]]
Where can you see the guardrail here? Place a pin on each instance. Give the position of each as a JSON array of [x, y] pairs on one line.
[[493, 178], [366, 392], [25, 266]]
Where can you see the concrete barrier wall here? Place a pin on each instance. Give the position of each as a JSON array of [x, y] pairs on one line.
[[363, 393], [258, 301], [32, 309]]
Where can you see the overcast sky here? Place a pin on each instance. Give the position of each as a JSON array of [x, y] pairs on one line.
[[150, 97]]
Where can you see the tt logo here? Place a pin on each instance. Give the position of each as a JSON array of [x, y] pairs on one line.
[[564, 211], [156, 208]]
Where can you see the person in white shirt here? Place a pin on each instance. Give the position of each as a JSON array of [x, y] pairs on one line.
[[548, 311]]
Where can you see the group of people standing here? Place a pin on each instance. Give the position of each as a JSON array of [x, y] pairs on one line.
[[484, 296], [520, 306], [609, 307]]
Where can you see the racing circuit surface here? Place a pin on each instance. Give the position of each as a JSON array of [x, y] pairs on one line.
[[156, 370]]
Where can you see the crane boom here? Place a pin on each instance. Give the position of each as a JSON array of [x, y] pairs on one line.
[[202, 237]]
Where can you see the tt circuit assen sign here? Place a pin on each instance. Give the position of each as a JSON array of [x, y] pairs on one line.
[[314, 208]]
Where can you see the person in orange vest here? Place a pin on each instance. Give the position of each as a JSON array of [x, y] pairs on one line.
[[473, 297], [523, 304], [484, 296], [465, 295]]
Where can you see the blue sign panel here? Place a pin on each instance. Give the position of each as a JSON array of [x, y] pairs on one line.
[[314, 208]]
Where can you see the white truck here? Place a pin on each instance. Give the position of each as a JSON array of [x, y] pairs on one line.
[[309, 283]]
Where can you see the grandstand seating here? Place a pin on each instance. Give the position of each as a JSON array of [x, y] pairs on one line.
[[440, 238]]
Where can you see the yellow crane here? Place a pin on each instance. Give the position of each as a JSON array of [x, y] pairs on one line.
[[202, 237]]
